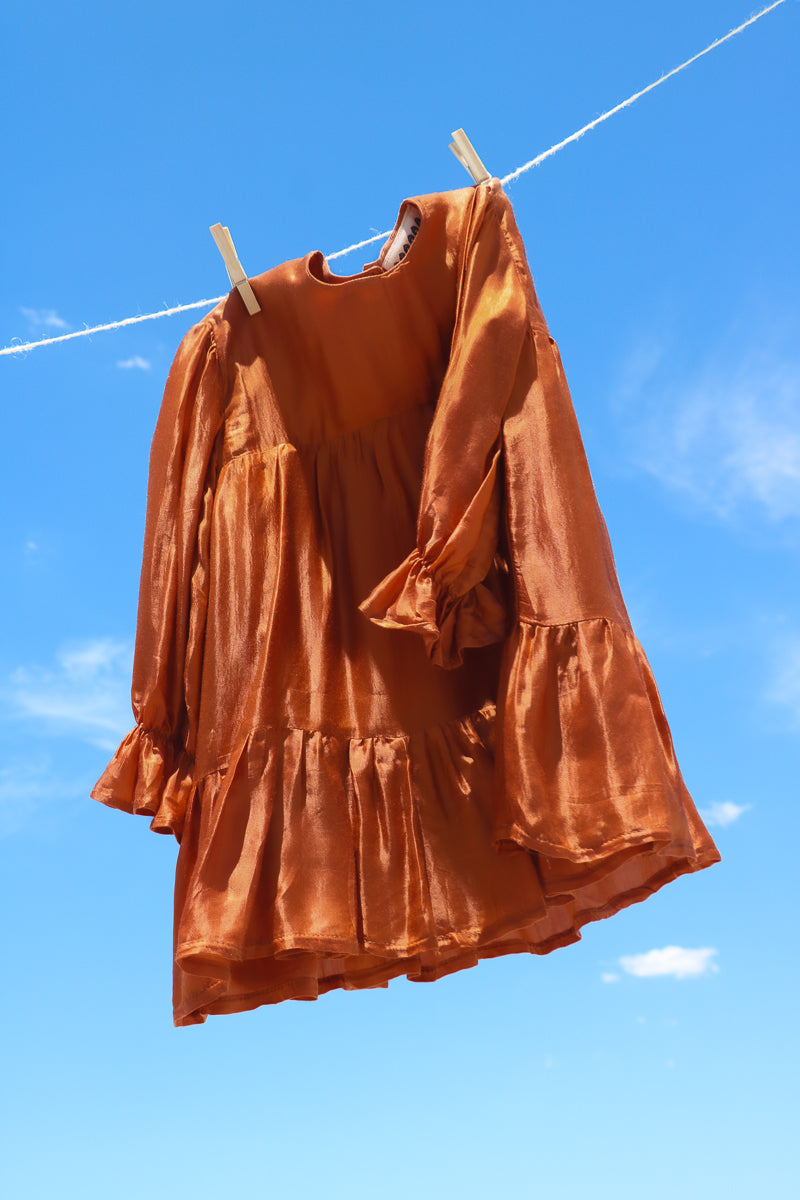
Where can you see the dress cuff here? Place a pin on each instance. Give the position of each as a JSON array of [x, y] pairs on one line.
[[148, 777], [410, 597]]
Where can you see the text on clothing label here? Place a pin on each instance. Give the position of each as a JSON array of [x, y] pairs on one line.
[[402, 241]]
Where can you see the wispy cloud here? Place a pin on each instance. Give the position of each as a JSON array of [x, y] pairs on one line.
[[27, 787], [44, 317], [610, 977], [21, 790], [723, 813], [136, 363], [726, 434], [784, 688], [676, 961], [85, 692]]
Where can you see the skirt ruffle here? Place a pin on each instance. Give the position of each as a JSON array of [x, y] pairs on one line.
[[586, 775], [314, 861]]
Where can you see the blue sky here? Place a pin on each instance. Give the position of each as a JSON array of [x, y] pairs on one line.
[[664, 246]]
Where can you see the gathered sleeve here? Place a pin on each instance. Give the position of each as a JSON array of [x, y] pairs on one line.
[[448, 589], [152, 771]]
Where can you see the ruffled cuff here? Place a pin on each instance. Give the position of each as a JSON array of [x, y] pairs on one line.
[[148, 777], [410, 597], [586, 765]]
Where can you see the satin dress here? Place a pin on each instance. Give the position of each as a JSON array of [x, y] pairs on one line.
[[387, 695]]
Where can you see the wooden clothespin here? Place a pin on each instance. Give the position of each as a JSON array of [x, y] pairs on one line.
[[466, 154], [221, 235]]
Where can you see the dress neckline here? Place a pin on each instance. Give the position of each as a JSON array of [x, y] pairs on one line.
[[317, 269]]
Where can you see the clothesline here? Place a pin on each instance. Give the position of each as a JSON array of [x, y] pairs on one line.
[[534, 162]]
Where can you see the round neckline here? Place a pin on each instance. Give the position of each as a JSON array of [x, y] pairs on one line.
[[317, 269]]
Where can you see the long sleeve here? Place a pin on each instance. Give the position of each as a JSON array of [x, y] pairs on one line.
[[152, 771], [585, 769], [447, 589]]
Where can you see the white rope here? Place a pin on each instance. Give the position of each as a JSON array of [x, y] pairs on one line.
[[534, 162], [163, 312], [65, 337], [358, 245], [573, 137]]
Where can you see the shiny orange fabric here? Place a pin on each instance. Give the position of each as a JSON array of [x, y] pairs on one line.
[[387, 694]]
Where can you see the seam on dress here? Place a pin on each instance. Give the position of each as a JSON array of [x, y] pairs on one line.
[[308, 447], [520, 588], [527, 621], [487, 709]]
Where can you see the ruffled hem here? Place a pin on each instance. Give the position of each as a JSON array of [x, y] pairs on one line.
[[410, 597], [315, 861], [298, 974], [147, 778], [213, 979]]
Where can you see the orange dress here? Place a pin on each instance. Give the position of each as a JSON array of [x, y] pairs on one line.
[[387, 694]]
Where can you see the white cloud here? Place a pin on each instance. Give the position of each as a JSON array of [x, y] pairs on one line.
[[723, 813], [21, 790], [672, 960], [785, 686], [727, 435], [90, 658], [86, 692], [29, 786], [83, 693], [44, 316], [609, 977], [136, 363]]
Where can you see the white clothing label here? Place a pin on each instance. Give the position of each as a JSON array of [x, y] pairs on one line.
[[402, 241]]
